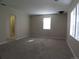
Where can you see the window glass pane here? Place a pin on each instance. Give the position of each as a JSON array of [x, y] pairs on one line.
[[77, 23], [47, 23], [72, 24]]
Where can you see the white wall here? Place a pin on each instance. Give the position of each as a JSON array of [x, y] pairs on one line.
[[22, 23], [58, 26], [73, 43]]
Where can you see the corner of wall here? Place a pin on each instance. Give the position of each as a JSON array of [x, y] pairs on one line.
[[74, 56]]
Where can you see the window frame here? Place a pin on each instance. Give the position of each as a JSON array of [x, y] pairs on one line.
[[76, 23], [45, 27]]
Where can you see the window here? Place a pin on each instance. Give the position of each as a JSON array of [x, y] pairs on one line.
[[77, 23], [47, 23], [74, 25]]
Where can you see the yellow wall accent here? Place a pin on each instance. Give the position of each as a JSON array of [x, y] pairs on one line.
[[12, 26]]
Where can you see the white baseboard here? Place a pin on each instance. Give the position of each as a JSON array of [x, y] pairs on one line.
[[21, 37], [49, 37], [8, 40], [74, 56], [4, 42]]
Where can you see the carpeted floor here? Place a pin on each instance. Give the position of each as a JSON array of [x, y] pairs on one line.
[[36, 48]]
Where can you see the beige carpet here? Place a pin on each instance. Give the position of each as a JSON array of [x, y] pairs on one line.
[[36, 48]]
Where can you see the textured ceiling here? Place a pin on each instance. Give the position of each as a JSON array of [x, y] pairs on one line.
[[38, 6]]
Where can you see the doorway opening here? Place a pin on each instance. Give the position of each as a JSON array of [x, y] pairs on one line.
[[12, 27]]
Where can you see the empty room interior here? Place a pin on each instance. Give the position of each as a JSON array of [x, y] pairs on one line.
[[39, 29]]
